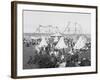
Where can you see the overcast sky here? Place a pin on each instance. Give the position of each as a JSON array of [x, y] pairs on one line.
[[32, 20]]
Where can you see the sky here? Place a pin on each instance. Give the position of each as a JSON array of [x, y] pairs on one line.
[[32, 20]]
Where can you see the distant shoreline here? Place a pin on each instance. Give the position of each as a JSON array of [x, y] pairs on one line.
[[47, 34]]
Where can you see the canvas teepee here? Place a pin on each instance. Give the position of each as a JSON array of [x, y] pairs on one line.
[[80, 43], [43, 42], [61, 44]]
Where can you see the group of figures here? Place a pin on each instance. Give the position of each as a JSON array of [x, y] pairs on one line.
[[62, 53]]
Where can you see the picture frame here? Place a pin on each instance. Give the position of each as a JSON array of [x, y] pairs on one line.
[[53, 20]]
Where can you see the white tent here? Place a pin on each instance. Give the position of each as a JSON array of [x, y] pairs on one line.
[[56, 34], [61, 44], [80, 43], [43, 42], [33, 37]]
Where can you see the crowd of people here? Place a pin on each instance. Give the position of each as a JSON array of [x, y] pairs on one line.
[[61, 53]]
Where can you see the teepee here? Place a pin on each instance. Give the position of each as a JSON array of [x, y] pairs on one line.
[[61, 44], [80, 43], [43, 43]]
